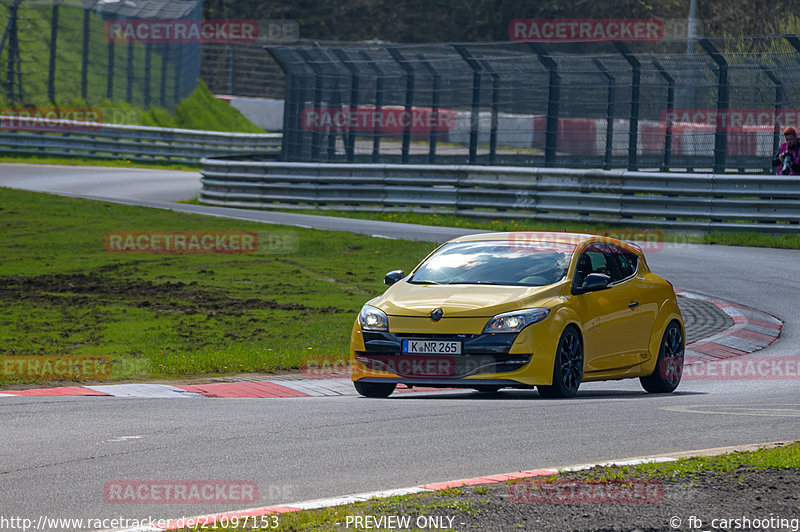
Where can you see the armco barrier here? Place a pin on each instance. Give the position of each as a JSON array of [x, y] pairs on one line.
[[69, 138], [641, 199]]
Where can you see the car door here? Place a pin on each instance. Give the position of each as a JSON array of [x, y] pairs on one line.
[[600, 312], [638, 310], [614, 324]]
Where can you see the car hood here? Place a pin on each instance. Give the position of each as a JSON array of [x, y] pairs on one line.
[[463, 300]]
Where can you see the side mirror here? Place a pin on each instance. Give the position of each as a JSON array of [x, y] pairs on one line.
[[594, 282], [393, 276]]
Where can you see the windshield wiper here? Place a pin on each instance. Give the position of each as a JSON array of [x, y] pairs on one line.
[[423, 282], [476, 282]]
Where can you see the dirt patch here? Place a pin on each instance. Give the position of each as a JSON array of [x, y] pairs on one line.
[[738, 494], [168, 296]]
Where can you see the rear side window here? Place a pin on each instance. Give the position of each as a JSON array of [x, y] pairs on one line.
[[627, 262]]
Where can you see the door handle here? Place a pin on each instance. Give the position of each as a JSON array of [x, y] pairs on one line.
[[633, 304]]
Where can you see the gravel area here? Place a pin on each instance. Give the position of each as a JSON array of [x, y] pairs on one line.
[[704, 501]]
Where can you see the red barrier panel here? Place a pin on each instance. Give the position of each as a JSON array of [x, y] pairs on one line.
[[575, 135]]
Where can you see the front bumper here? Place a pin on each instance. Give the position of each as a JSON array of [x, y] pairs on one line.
[[521, 359], [481, 354]]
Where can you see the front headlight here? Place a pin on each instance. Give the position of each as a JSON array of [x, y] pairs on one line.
[[373, 319], [515, 321]]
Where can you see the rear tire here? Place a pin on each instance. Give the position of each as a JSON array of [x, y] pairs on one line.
[[567, 368], [669, 366], [374, 389]]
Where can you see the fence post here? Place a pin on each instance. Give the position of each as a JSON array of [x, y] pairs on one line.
[[668, 119], [293, 98], [721, 133], [474, 117], [609, 113], [495, 110], [376, 131], [553, 102], [85, 56], [315, 134], [11, 34], [350, 142], [795, 42], [334, 103], [110, 71], [633, 129], [129, 74], [148, 52], [165, 52], [231, 69], [409, 70], [178, 70], [437, 84], [780, 103], [51, 78]]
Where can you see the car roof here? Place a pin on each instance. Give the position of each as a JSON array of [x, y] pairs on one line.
[[545, 236]]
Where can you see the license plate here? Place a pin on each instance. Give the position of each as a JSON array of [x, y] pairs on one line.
[[432, 347]]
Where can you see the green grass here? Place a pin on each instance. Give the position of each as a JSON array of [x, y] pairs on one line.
[[452, 501], [34, 38], [177, 316], [440, 503], [781, 457], [85, 161], [200, 110], [625, 231]]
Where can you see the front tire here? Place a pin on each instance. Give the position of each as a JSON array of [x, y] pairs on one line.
[[374, 389], [669, 366], [567, 368]]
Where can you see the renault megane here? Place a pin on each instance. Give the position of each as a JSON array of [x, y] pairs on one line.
[[521, 310]]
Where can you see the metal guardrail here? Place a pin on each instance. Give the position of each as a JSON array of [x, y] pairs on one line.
[[70, 138], [706, 202]]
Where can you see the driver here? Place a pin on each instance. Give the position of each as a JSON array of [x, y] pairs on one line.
[[790, 147]]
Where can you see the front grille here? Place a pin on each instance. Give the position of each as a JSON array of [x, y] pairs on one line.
[[481, 353]]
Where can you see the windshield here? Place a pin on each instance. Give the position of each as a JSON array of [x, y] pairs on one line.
[[496, 262]]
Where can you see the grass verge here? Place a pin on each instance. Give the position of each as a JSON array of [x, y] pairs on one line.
[[625, 231], [85, 161], [178, 316], [474, 507]]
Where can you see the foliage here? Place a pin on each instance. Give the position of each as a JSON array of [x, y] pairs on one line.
[[487, 20]]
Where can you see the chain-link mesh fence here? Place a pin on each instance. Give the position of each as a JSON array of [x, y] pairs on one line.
[[60, 52], [717, 103], [242, 69]]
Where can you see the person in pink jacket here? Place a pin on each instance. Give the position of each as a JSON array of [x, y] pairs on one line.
[[789, 148]]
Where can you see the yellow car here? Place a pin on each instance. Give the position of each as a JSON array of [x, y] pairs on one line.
[[521, 310]]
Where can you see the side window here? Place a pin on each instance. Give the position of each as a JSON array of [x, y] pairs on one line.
[[627, 263], [592, 260]]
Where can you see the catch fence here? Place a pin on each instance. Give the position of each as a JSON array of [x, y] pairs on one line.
[[715, 104]]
